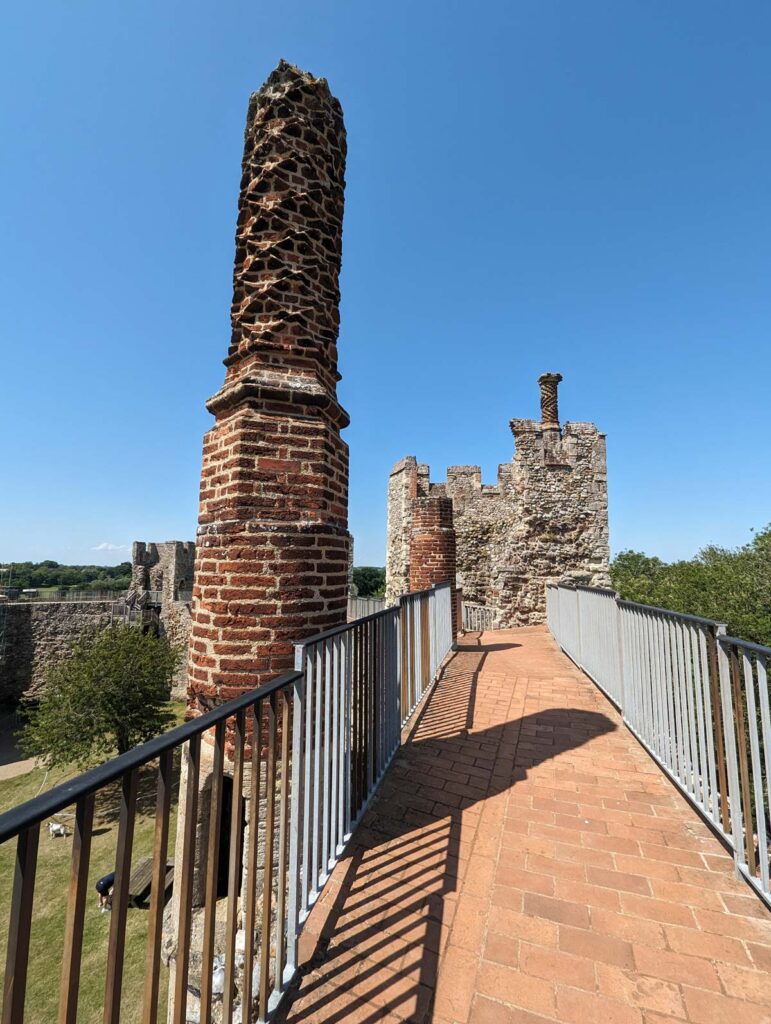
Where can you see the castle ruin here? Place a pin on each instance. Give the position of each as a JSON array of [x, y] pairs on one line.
[[165, 568], [544, 521]]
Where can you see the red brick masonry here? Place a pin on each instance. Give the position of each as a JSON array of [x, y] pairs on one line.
[[432, 546], [272, 552], [526, 862]]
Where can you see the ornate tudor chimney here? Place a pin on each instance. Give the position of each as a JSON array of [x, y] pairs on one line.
[[548, 383], [272, 551]]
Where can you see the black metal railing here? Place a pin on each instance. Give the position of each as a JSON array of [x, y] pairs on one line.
[[302, 756]]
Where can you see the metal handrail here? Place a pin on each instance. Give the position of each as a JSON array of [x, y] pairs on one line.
[[747, 645], [668, 611], [696, 699], [318, 637], [318, 740], [33, 811]]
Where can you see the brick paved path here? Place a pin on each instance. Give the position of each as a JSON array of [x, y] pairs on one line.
[[525, 861]]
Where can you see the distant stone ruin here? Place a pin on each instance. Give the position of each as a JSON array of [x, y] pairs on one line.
[[162, 585], [544, 521], [165, 569], [37, 634]]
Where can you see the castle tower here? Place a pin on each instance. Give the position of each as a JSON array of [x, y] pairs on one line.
[[272, 550], [544, 520]]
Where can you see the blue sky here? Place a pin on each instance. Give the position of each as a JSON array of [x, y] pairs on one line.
[[550, 185]]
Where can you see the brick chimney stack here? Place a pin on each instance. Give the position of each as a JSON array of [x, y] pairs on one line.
[[433, 546], [272, 551], [548, 382]]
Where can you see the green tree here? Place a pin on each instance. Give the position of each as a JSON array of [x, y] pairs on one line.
[[75, 577], [731, 585], [111, 693], [369, 581]]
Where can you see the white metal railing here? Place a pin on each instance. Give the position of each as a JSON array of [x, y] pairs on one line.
[[696, 699], [478, 617], [358, 685], [358, 607]]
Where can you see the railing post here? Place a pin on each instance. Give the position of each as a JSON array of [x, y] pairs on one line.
[[621, 657], [579, 639], [293, 904], [729, 732]]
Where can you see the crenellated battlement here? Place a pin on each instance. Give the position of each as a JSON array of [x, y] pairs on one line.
[[545, 519]]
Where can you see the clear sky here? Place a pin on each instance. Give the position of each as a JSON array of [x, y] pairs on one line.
[[547, 185]]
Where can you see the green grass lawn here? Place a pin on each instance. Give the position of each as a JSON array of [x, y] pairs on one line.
[[51, 900]]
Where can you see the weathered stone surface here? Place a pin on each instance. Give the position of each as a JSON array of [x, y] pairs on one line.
[[40, 633], [167, 568], [545, 520]]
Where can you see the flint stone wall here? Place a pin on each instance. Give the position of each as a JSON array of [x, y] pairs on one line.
[[38, 634], [545, 520], [166, 567]]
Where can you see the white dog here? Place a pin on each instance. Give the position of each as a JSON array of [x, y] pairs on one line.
[[56, 831]]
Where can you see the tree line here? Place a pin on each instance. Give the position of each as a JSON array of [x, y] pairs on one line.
[[731, 585], [39, 575], [369, 581]]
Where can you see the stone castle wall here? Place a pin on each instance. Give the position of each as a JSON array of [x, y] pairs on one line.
[[545, 520], [40, 633]]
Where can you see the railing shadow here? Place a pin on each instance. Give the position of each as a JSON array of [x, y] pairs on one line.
[[377, 951]]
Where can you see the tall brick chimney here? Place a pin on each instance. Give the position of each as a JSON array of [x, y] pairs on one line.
[[272, 551], [548, 383]]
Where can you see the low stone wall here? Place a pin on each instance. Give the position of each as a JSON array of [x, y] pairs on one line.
[[40, 633]]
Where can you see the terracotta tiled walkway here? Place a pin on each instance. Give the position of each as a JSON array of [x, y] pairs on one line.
[[526, 862]]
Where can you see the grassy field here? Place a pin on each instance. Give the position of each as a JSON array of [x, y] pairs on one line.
[[51, 895]]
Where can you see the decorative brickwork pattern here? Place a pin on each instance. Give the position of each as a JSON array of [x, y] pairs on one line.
[[548, 383], [272, 551], [545, 520]]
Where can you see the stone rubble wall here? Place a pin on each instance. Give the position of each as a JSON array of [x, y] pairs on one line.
[[544, 521], [166, 567], [40, 633], [176, 624]]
